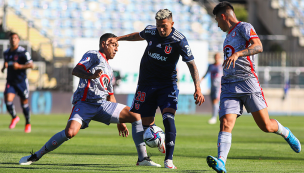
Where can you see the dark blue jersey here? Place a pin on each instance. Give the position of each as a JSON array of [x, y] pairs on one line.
[[158, 64], [21, 56]]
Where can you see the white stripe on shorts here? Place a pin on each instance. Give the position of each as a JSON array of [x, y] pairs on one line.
[[116, 113]]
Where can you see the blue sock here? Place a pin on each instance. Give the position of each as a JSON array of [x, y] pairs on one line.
[[11, 109], [26, 112], [170, 133]]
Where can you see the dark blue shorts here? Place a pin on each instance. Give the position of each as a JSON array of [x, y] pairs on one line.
[[148, 98], [21, 89]]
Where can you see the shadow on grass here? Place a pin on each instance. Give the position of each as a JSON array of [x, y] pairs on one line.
[[93, 167]]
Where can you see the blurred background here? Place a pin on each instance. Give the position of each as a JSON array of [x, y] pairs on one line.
[[55, 32]]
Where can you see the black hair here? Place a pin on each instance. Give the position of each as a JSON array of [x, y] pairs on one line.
[[222, 7], [13, 33], [105, 37]]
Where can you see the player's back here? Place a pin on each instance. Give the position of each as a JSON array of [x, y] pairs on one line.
[[158, 64], [94, 90], [20, 56]]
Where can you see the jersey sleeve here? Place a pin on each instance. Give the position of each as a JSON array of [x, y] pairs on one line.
[[248, 32], [28, 58], [149, 30], [88, 60], [185, 50], [111, 88]]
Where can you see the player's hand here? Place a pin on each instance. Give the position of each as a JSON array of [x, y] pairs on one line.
[[2, 70], [198, 97], [97, 74], [123, 130], [16, 66], [230, 60]]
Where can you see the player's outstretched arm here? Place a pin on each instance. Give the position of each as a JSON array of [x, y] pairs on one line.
[[4, 67], [198, 96], [80, 72], [255, 47], [129, 37]]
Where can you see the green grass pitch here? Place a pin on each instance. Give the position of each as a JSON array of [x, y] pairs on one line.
[[100, 149]]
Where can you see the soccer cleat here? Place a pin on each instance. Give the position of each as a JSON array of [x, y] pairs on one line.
[[169, 164], [14, 122], [212, 121], [27, 128], [293, 142], [162, 148], [27, 160], [217, 164], [147, 162]]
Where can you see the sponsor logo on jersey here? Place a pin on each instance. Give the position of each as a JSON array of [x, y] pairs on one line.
[[228, 51], [87, 59], [157, 56], [168, 49], [159, 46], [152, 32], [150, 43], [105, 81], [189, 53], [252, 32]]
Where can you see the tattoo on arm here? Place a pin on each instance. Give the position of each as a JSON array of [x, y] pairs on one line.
[[251, 51], [194, 73], [131, 37], [81, 73]]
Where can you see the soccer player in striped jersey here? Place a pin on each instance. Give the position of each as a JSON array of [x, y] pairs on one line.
[[17, 60], [157, 83], [94, 100], [240, 85], [216, 73]]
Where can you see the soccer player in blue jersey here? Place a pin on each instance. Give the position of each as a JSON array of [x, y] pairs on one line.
[[17, 60], [94, 100], [240, 85], [157, 83], [216, 73]]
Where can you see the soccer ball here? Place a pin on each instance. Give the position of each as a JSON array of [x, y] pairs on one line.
[[154, 136]]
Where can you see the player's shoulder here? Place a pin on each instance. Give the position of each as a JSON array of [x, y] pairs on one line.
[[91, 53], [178, 36], [150, 29], [6, 51], [244, 25], [21, 49]]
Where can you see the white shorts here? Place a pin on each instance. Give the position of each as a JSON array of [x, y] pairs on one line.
[[107, 112], [236, 95]]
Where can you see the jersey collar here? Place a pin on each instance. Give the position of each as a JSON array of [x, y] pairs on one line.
[[234, 27], [103, 56]]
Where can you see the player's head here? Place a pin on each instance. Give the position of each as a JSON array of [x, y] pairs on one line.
[[217, 58], [109, 49], [223, 12], [164, 22], [14, 39]]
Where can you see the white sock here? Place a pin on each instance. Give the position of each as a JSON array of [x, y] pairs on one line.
[[223, 145], [282, 130]]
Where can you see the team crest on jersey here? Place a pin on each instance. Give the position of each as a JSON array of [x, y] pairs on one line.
[[16, 57], [168, 49], [105, 81], [228, 51], [77, 109], [137, 106], [150, 43], [233, 34]]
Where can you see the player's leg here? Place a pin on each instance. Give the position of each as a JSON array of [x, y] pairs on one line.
[[9, 95], [27, 115], [266, 124]]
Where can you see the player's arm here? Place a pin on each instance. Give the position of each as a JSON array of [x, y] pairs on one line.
[[111, 98], [198, 96], [80, 72], [18, 66], [129, 37], [5, 64], [255, 47]]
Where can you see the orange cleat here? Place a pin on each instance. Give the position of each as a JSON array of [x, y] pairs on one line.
[[14, 122], [27, 128]]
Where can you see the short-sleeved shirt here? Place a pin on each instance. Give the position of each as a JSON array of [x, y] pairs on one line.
[[237, 39], [216, 73], [21, 56], [94, 90], [158, 64]]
